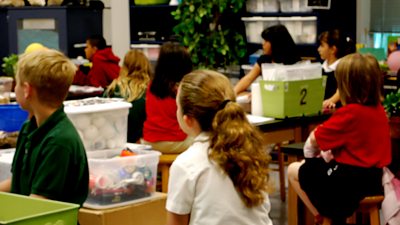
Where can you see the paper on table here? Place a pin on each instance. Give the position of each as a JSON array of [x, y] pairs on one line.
[[253, 119]]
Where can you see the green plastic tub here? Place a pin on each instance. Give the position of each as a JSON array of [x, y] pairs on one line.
[[23, 210], [151, 2]]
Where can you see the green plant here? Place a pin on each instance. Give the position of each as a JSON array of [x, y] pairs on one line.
[[9, 64], [391, 103], [209, 28]]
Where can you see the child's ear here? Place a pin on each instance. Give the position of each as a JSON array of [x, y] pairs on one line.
[[27, 90], [189, 121]]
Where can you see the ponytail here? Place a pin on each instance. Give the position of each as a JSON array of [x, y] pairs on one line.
[[238, 149]]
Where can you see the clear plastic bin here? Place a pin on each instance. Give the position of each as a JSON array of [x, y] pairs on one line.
[[116, 181], [259, 6], [302, 29], [255, 26], [294, 6], [102, 123]]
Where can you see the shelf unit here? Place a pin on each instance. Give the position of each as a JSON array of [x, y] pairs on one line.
[[155, 21], [68, 25]]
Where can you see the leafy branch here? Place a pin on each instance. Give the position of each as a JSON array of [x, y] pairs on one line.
[[209, 29]]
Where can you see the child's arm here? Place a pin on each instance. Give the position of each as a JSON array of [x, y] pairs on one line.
[[310, 147], [5, 185], [176, 219], [246, 81], [330, 103]]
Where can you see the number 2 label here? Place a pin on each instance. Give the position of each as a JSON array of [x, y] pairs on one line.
[[303, 94]]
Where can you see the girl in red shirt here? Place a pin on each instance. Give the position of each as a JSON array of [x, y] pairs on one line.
[[358, 138]]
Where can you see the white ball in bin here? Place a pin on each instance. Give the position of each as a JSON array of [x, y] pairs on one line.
[[90, 132], [111, 143], [108, 131], [99, 121], [82, 122]]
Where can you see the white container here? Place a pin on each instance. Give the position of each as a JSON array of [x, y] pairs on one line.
[[302, 29], [102, 123], [294, 6], [255, 26], [151, 51], [117, 181], [261, 6]]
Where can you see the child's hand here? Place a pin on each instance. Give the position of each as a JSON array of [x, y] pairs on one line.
[[327, 155], [328, 104]]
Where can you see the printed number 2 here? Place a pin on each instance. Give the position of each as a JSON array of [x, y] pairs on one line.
[[303, 94]]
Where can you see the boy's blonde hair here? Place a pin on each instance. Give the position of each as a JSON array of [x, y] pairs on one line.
[[235, 145], [134, 76], [359, 79], [50, 72]]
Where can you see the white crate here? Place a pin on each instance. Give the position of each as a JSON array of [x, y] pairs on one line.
[[255, 26], [116, 181], [261, 6], [294, 6], [102, 123], [151, 51], [303, 29]]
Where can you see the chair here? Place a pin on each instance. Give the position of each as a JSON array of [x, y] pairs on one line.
[[163, 166], [368, 206]]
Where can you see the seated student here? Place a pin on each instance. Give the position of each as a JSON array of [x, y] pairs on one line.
[[278, 47], [161, 129], [50, 159], [105, 66], [131, 85], [333, 45], [354, 144], [223, 177]]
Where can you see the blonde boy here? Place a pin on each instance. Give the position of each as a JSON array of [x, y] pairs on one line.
[[50, 160]]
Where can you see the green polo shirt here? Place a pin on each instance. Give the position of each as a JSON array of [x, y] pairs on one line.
[[50, 160]]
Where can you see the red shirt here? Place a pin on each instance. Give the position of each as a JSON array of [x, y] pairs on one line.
[[161, 123], [358, 135], [104, 70]]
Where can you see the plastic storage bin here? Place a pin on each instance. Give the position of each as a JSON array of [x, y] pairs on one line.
[[151, 2], [151, 51], [102, 123], [294, 6], [261, 6], [12, 117], [21, 210], [302, 29], [116, 181], [255, 26]]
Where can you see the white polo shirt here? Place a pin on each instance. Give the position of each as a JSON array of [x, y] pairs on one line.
[[200, 188]]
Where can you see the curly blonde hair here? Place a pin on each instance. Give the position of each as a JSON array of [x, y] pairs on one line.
[[134, 76], [235, 145]]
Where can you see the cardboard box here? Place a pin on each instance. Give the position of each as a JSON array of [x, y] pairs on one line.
[[150, 212], [282, 99]]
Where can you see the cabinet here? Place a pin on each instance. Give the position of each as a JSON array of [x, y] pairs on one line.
[[59, 27], [151, 24]]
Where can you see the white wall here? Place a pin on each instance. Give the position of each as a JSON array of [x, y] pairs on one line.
[[116, 25], [363, 22]]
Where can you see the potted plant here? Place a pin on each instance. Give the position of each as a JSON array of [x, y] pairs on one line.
[[209, 28], [9, 63], [391, 103]]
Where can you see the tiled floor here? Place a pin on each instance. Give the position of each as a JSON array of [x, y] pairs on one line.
[[278, 212]]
